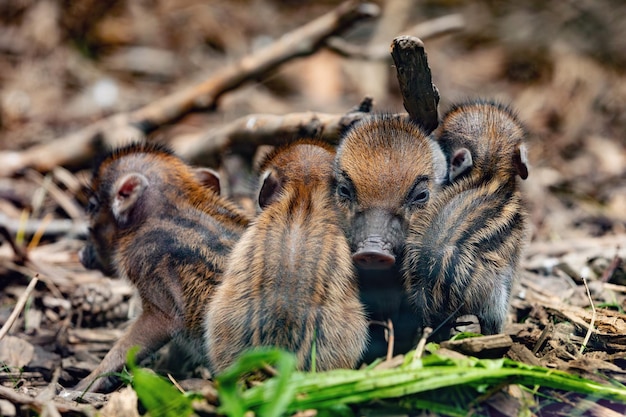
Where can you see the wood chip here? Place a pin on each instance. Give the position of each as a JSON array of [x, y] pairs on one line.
[[492, 346], [521, 353]]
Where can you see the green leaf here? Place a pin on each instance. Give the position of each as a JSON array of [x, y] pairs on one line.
[[158, 396], [274, 400]]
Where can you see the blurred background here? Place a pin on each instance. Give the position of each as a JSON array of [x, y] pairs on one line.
[[561, 65]]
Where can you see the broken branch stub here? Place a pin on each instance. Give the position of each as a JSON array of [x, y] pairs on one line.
[[249, 132], [419, 95]]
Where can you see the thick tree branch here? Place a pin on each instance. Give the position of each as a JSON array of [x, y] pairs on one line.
[[249, 132], [419, 95], [301, 42], [80, 146]]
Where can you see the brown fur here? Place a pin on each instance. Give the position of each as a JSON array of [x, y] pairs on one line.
[[493, 135], [386, 169], [383, 158], [290, 282], [159, 226], [463, 250]]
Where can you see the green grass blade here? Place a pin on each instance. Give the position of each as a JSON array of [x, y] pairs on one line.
[[329, 389], [158, 396], [284, 392], [274, 400]]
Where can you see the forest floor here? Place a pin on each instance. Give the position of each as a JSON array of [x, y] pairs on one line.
[[560, 65]]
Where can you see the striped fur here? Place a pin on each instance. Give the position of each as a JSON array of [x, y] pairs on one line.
[[172, 244], [462, 254], [492, 133], [290, 282], [463, 251], [382, 166]]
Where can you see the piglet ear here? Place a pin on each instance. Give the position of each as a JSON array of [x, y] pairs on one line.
[[460, 162], [208, 178], [520, 161], [270, 189], [127, 193]]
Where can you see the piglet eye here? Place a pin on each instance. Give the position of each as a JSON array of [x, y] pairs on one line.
[[420, 197], [92, 205], [344, 191]]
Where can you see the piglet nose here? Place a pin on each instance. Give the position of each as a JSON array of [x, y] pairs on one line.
[[373, 260], [373, 254]]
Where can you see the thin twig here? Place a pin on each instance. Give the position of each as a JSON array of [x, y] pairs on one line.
[[68, 179], [593, 319], [21, 302], [389, 335], [450, 317], [615, 287], [270, 370], [424, 30], [20, 253], [30, 268], [610, 270], [419, 350], [65, 202], [175, 382], [391, 338], [39, 233]]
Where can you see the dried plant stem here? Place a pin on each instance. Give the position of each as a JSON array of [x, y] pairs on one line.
[[21, 302], [593, 319], [419, 350], [175, 383], [39, 233], [390, 339]]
